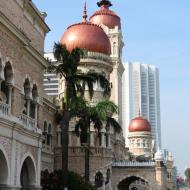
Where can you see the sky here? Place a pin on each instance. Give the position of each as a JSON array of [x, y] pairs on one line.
[[154, 32]]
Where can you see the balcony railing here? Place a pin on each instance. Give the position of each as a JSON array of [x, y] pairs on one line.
[[24, 120], [28, 122], [98, 56], [4, 108], [133, 164]]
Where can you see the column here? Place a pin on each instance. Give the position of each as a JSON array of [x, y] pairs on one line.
[[36, 114], [109, 140], [39, 165], [28, 101], [78, 140], [70, 137], [92, 138], [104, 186], [103, 139], [13, 159], [10, 97], [59, 138]]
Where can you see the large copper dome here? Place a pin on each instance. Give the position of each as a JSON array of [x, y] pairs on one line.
[[139, 124], [87, 36], [105, 16]]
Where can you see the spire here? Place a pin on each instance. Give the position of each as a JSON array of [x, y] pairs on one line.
[[104, 3], [139, 112], [85, 13]]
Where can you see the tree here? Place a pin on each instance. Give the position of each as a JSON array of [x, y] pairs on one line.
[[75, 82], [98, 114], [187, 174], [52, 181]]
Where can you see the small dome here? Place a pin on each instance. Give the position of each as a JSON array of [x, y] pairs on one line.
[[86, 36], [139, 124], [105, 16]]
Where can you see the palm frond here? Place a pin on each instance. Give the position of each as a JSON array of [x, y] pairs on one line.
[[60, 52], [87, 80], [104, 82], [113, 122], [106, 108], [79, 107]]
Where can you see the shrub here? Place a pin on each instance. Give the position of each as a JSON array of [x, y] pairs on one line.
[[53, 181]]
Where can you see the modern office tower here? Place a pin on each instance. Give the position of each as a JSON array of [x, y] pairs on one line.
[[50, 81], [141, 95]]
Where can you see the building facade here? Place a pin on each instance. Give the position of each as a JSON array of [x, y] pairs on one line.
[[23, 104], [29, 141], [141, 95]]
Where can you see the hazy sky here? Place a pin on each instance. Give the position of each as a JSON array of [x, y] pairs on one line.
[[155, 32]]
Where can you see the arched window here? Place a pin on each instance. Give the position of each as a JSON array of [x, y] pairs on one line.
[[5, 92], [45, 126], [8, 72], [107, 139], [49, 136], [6, 76], [45, 132], [99, 180], [108, 175], [34, 93]]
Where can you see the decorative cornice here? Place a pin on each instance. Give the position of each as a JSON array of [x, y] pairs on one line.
[[38, 14]]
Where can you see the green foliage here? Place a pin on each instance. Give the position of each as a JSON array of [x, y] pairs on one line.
[[187, 173], [53, 181], [96, 115]]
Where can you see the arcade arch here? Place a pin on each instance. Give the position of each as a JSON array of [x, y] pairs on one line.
[[3, 169], [27, 174], [129, 183]]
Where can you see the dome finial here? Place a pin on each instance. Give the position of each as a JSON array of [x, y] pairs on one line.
[[85, 13], [104, 3]]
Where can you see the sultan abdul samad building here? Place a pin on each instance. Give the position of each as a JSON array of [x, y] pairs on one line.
[[30, 143]]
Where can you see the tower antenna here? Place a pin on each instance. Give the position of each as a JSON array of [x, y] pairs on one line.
[[85, 13]]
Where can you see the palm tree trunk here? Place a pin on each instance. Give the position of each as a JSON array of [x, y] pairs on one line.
[[65, 141], [87, 155], [87, 163]]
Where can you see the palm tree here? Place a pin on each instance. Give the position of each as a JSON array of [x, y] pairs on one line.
[[98, 114], [75, 83]]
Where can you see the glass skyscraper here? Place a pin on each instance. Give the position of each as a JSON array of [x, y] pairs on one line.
[[141, 95]]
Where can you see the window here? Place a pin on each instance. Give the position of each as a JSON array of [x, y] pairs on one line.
[[138, 143]]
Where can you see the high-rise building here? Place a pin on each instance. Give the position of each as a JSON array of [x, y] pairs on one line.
[[50, 81], [141, 95]]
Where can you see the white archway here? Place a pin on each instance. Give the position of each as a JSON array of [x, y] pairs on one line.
[[28, 175], [4, 169], [133, 178]]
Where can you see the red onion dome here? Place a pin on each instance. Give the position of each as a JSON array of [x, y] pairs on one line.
[[105, 16], [87, 36], [139, 124]]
